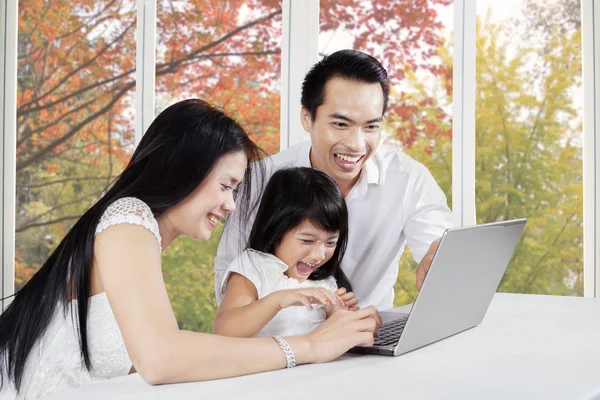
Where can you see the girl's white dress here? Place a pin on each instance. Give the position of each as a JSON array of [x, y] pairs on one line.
[[266, 272], [55, 363]]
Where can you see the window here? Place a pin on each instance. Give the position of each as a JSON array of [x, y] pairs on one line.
[[529, 138], [76, 79]]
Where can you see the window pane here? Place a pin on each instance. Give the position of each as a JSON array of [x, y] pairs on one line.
[[76, 77], [228, 53], [529, 137], [413, 41]]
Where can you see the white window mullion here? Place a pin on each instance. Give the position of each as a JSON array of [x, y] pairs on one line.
[[590, 31], [145, 64], [463, 113], [299, 51], [8, 129]]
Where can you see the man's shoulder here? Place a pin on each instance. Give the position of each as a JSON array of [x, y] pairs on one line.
[[394, 160], [290, 156]]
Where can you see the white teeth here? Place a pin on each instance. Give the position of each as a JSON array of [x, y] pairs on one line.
[[348, 158], [212, 219]]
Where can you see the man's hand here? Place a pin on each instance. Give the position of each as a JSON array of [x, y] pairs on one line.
[[425, 263]]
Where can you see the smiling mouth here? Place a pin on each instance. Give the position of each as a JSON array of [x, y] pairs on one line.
[[348, 162], [305, 268], [213, 219]]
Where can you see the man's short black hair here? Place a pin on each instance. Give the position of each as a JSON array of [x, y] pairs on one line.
[[347, 64]]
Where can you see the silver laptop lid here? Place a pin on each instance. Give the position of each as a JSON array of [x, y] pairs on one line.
[[464, 275]]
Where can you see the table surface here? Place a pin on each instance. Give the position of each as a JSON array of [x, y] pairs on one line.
[[527, 347]]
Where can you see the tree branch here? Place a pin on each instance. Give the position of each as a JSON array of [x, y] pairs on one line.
[[23, 228], [81, 67], [65, 180], [535, 270], [41, 153], [56, 121], [161, 69]]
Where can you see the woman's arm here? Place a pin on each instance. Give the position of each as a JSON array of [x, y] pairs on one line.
[[128, 260]]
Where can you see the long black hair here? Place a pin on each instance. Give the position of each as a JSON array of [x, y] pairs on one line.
[[292, 196], [177, 152]]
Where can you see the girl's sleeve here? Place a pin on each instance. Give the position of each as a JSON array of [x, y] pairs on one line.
[[331, 284], [247, 265]]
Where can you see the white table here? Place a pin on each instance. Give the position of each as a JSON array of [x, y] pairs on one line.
[[528, 347]]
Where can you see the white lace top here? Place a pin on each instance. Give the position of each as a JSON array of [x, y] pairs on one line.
[[55, 363], [266, 272]]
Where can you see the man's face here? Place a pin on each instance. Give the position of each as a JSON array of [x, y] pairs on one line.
[[346, 130]]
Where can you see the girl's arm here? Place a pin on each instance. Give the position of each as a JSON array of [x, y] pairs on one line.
[[128, 261], [241, 314]]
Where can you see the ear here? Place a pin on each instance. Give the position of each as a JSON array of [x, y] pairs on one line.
[[305, 119]]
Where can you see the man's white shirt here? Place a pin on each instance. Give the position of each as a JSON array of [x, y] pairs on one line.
[[395, 202]]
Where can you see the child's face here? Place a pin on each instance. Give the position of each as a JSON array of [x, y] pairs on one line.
[[306, 248]]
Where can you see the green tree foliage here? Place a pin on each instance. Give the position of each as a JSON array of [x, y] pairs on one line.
[[528, 152], [188, 273]]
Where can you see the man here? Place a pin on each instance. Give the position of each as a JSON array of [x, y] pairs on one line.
[[392, 199]]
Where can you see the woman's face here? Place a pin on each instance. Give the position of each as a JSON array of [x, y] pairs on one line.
[[306, 248], [198, 214]]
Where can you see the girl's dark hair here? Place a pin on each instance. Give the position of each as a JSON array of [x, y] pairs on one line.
[[292, 196], [174, 156]]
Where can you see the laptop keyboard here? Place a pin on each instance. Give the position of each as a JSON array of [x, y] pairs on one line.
[[390, 332]]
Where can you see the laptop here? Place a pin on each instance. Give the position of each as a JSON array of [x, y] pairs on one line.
[[464, 275]]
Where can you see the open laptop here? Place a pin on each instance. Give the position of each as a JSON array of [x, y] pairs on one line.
[[462, 279]]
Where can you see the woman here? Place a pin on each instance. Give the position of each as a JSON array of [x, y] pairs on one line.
[[182, 179]]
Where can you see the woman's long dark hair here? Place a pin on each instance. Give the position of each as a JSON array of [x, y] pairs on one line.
[[292, 196], [174, 156]]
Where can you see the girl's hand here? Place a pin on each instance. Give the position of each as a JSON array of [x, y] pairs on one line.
[[348, 298], [305, 297], [349, 302], [344, 330]]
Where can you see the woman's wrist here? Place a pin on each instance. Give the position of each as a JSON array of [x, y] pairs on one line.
[[301, 347]]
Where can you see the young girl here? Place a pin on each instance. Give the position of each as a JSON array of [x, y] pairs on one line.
[[293, 258]]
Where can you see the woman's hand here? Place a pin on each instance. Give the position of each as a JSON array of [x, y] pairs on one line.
[[344, 330], [305, 297]]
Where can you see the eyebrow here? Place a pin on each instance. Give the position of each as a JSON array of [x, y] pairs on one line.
[[233, 180], [311, 235], [344, 118]]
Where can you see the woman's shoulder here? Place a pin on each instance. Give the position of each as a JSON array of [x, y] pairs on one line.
[[128, 206], [129, 210]]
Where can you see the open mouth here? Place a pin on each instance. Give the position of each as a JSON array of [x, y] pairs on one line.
[[305, 268], [347, 162]]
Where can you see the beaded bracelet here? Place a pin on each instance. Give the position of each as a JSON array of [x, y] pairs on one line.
[[287, 350]]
